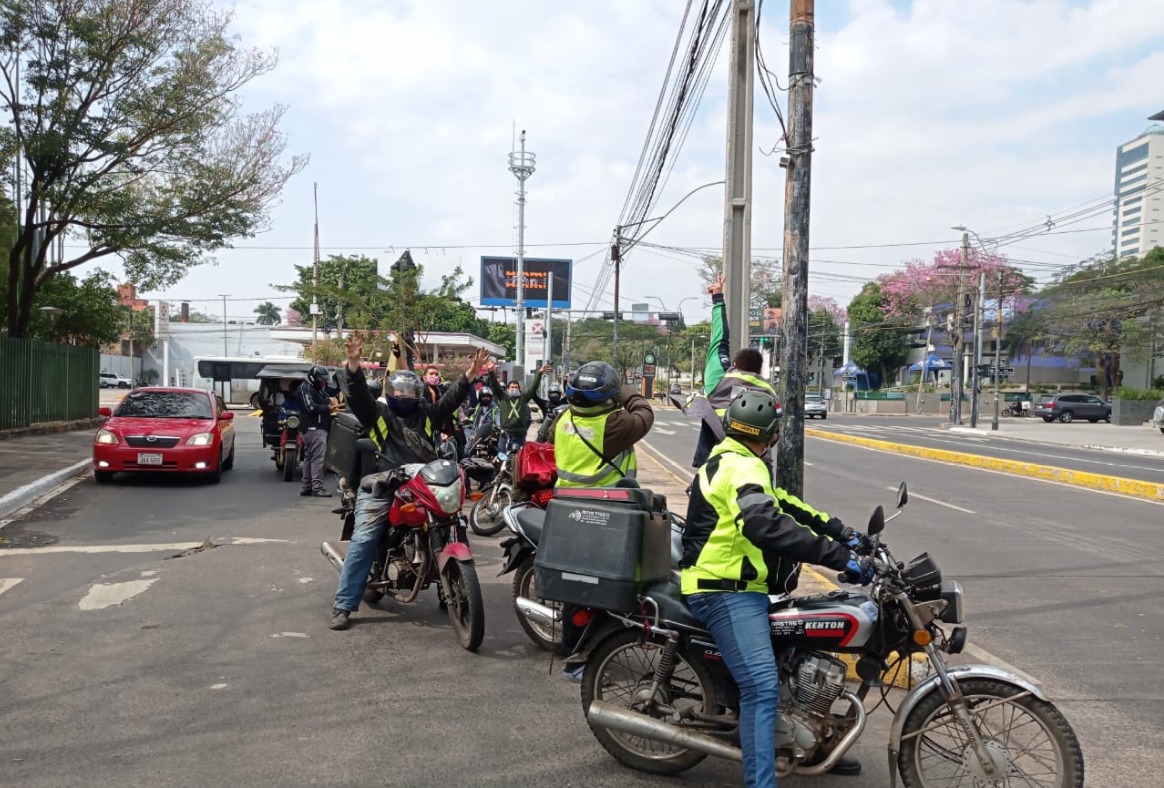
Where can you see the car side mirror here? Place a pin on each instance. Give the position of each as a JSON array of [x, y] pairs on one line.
[[876, 521], [227, 415], [902, 495], [106, 412]]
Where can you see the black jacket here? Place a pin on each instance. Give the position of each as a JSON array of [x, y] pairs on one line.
[[316, 408], [428, 417]]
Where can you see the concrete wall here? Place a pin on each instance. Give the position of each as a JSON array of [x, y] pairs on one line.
[[120, 365]]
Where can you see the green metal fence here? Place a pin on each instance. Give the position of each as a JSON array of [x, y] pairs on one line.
[[47, 382]]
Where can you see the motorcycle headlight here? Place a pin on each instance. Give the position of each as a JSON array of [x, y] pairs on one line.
[[292, 422], [449, 497], [105, 437], [201, 439]]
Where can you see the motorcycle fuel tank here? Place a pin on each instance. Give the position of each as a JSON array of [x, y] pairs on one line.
[[839, 621]]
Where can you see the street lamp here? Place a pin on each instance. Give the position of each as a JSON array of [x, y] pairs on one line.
[[51, 314]]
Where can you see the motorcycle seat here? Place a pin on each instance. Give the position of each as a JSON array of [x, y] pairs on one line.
[[672, 608], [531, 520]]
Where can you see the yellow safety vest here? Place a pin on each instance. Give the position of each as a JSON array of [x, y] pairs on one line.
[[578, 464]]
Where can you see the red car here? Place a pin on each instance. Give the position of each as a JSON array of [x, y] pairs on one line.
[[171, 430]]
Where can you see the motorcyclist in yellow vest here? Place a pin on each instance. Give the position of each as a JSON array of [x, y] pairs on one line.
[[736, 541], [724, 376], [594, 439], [594, 443]]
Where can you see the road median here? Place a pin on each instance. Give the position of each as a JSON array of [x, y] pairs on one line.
[[1150, 491]]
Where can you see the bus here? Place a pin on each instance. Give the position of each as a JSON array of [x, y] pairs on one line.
[[235, 379]]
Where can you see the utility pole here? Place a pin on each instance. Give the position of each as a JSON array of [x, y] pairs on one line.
[[976, 377], [566, 346], [925, 358], [956, 375], [997, 351], [616, 261], [339, 308], [797, 185], [521, 164], [314, 287], [225, 351], [737, 232], [549, 323]]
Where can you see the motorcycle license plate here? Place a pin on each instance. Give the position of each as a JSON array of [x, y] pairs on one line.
[[149, 459]]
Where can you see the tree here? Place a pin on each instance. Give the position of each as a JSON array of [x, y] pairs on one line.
[[504, 334], [127, 119], [344, 281], [91, 313], [269, 314], [877, 343], [920, 285], [765, 280], [824, 335]]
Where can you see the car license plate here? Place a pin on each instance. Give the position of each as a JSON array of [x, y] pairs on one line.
[[149, 459]]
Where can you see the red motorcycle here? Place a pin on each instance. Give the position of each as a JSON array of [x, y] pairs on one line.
[[425, 543]]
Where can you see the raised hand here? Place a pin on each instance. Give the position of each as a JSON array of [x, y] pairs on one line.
[[716, 287], [545, 370], [354, 348], [482, 362]]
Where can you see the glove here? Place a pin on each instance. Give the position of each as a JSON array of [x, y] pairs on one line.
[[856, 541], [859, 570]]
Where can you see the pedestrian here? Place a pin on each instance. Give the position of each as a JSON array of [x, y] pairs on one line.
[[317, 410]]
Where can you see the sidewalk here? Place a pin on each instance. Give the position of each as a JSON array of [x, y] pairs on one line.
[[1145, 439], [31, 465]]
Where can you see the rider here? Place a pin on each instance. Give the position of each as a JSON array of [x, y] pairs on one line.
[[317, 413], [515, 415], [726, 579], [484, 415], [549, 407], [594, 447], [405, 413], [723, 377]]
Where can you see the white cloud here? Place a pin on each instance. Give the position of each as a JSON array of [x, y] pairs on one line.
[[992, 113]]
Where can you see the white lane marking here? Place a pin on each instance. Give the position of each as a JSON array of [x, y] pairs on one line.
[[105, 595], [218, 686], [939, 503], [676, 468], [290, 635], [306, 580], [807, 463], [663, 431], [9, 583], [130, 548]]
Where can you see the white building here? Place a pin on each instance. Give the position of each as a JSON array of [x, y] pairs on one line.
[[1139, 194]]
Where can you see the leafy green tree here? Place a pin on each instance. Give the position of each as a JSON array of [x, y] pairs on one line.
[[824, 335], [127, 117], [90, 311], [347, 281], [504, 334], [878, 343], [268, 314]]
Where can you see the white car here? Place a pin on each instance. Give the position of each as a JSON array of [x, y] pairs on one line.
[[111, 380], [815, 406]]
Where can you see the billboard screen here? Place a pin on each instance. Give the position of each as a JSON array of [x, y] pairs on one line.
[[499, 281]]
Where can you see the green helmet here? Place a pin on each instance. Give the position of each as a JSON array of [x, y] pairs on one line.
[[752, 416]]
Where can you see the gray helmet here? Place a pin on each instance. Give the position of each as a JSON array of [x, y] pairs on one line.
[[319, 375], [753, 416], [407, 382], [485, 392]]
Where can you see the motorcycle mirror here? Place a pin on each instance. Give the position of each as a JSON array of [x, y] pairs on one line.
[[902, 496], [877, 521]]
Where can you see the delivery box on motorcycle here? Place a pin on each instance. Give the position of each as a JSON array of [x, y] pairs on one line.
[[600, 547], [534, 466], [343, 456]]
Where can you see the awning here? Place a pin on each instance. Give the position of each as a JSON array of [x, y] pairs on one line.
[[284, 371], [931, 362]]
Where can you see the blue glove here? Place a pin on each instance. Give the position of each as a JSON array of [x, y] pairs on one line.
[[857, 541], [859, 570]]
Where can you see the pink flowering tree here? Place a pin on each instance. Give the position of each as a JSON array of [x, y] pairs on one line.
[[823, 303], [920, 284], [292, 318]]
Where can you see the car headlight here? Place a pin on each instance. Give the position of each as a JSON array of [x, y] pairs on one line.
[[201, 439], [105, 437], [292, 422]]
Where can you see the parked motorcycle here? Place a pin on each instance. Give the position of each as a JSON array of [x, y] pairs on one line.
[[658, 697], [425, 543]]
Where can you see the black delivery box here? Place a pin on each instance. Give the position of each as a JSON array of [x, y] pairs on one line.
[[601, 552], [343, 456]]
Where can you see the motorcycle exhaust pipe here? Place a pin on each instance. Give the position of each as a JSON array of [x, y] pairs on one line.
[[607, 715], [332, 554], [538, 613], [847, 741]]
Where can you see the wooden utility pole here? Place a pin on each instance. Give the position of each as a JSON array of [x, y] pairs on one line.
[[737, 231], [798, 180], [957, 333]]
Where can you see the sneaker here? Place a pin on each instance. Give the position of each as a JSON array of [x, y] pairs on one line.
[[321, 494], [573, 673], [340, 619], [305, 493]]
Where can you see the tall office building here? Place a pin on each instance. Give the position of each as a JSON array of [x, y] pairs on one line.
[[1139, 193]]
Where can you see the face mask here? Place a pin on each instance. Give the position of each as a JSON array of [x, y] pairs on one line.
[[515, 392], [403, 406]]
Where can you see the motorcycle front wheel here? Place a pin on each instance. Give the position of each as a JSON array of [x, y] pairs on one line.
[[466, 608], [486, 518], [620, 671], [544, 637], [1028, 740], [288, 465]]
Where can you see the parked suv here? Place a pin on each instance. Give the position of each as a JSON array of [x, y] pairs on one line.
[[1068, 407], [111, 380], [815, 406]]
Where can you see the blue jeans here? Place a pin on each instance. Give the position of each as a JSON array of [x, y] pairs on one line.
[[510, 442], [738, 622], [371, 519]]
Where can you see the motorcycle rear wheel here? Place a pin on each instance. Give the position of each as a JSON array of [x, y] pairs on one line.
[[543, 637], [622, 666], [942, 756], [288, 465], [466, 607], [486, 518]]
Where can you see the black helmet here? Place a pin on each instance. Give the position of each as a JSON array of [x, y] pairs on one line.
[[319, 375], [595, 383], [485, 392], [405, 383], [752, 416], [375, 388], [555, 389]]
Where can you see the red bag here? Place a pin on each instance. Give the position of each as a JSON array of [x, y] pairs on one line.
[[534, 466]]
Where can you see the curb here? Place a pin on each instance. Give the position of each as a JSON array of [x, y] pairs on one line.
[[1149, 491], [51, 428], [22, 496]]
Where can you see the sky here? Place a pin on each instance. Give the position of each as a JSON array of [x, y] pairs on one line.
[[993, 114]]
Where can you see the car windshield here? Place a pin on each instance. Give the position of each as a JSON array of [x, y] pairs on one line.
[[165, 405]]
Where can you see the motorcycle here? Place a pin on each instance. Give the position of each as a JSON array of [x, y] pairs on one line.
[[658, 697], [425, 543], [485, 518], [289, 453]]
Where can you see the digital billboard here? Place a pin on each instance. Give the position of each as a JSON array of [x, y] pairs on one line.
[[499, 282]]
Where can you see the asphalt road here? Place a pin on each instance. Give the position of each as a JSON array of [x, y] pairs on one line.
[[216, 668]]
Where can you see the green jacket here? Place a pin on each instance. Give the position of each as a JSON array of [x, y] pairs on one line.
[[515, 413]]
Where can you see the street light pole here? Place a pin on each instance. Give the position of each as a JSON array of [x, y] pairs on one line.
[[521, 164], [225, 352]]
